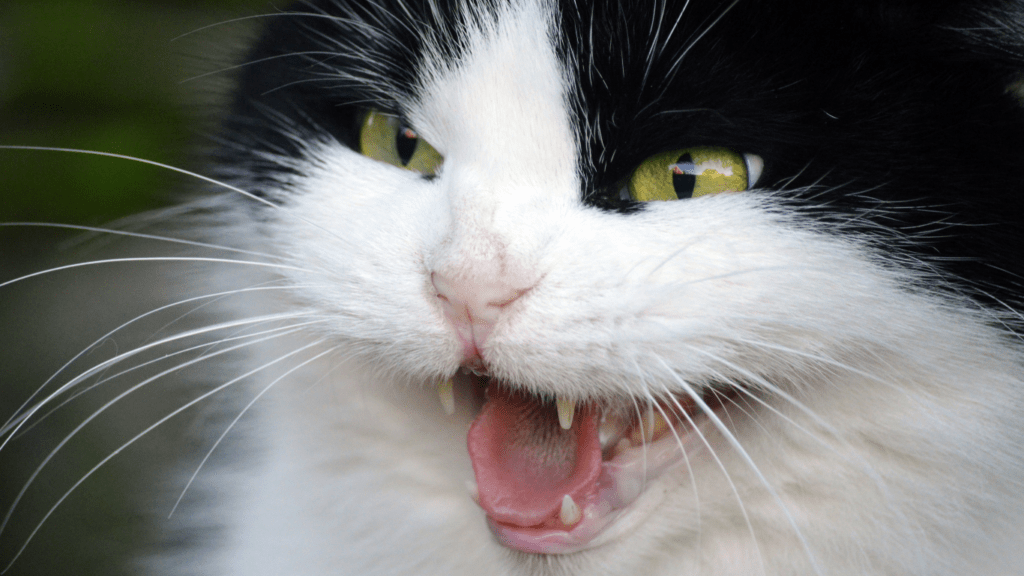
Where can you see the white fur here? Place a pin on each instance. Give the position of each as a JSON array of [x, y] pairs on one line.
[[884, 437]]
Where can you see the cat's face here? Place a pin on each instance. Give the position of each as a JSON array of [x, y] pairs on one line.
[[682, 246], [703, 286]]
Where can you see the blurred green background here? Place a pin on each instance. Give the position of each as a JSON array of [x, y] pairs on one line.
[[128, 77], [103, 75]]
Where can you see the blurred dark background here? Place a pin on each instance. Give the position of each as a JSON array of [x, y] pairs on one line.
[[117, 76], [128, 77]]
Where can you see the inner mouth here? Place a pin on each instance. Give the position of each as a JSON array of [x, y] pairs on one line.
[[553, 476]]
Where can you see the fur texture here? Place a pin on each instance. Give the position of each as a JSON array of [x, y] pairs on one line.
[[855, 311]]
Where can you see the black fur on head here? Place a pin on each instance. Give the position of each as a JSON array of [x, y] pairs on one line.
[[897, 121]]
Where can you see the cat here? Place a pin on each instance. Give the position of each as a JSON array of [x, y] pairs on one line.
[[594, 287]]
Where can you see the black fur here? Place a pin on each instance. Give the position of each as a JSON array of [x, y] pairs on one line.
[[907, 157]]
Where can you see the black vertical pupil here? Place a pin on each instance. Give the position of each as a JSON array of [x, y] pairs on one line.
[[684, 183], [405, 143]]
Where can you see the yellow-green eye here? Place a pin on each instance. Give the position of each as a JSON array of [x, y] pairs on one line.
[[385, 138], [693, 172]]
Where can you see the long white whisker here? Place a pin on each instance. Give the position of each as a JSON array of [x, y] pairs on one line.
[[151, 259], [689, 470], [356, 23], [721, 466], [770, 387], [110, 403], [137, 235], [119, 449], [824, 360], [196, 175], [243, 412], [864, 464], [12, 427], [745, 456], [679, 60], [289, 329], [103, 338], [643, 453], [226, 22], [751, 396], [214, 298], [260, 61]]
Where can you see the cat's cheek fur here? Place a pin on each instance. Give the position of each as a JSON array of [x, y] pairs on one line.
[[393, 454]]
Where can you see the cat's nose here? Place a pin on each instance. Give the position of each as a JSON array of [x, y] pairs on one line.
[[473, 307]]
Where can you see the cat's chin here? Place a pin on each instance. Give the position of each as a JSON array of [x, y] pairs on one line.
[[549, 488]]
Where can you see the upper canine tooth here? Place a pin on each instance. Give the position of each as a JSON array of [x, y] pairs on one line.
[[566, 410], [570, 513], [447, 393]]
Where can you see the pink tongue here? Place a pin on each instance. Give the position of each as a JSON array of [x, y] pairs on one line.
[[525, 463]]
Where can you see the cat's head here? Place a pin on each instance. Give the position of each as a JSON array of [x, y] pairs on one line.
[[700, 236]]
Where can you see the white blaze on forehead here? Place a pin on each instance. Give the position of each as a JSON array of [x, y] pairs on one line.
[[501, 109]]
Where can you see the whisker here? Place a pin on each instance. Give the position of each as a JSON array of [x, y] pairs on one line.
[[639, 418], [260, 16], [115, 400], [271, 285], [770, 387], [17, 427], [103, 338], [190, 259], [777, 391], [721, 465], [289, 329], [679, 59], [16, 422], [689, 468], [745, 456], [863, 464], [242, 413], [259, 61], [725, 472], [225, 23], [137, 235], [827, 362], [118, 450], [189, 173]]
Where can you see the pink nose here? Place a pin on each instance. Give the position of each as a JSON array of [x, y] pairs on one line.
[[473, 307]]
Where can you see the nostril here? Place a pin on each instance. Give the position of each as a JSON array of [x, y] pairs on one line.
[[443, 287], [501, 303], [472, 307], [478, 299]]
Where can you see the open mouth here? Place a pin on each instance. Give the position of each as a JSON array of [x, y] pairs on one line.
[[556, 476]]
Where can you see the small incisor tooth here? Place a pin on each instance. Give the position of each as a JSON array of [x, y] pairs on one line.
[[570, 513], [445, 389], [566, 410]]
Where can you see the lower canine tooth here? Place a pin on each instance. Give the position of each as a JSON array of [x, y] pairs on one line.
[[570, 513], [566, 410], [447, 393]]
